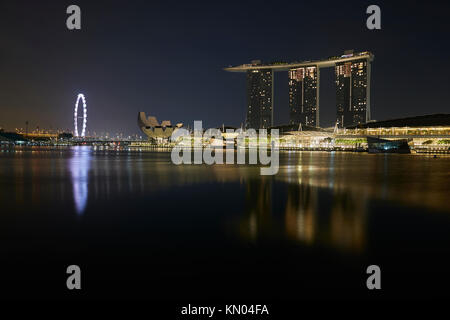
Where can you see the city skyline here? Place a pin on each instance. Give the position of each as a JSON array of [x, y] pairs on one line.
[[170, 64]]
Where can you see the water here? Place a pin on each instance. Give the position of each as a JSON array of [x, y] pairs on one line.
[[141, 227]]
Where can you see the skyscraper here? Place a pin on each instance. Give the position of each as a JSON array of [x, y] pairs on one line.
[[259, 98], [352, 92], [304, 96], [352, 79]]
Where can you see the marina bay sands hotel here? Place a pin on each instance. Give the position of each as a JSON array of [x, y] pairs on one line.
[[352, 78]]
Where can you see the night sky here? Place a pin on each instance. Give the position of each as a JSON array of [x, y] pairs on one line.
[[166, 58]]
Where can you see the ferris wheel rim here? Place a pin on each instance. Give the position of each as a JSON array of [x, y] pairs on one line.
[[75, 116]]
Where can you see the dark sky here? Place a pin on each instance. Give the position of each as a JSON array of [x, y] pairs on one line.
[[166, 58]]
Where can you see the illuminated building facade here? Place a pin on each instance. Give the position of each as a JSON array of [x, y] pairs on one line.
[[352, 89], [352, 92], [304, 96], [259, 99]]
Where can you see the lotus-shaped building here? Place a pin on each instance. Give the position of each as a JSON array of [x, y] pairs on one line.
[[151, 127]]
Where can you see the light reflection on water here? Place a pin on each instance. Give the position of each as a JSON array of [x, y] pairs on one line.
[[79, 166], [340, 224], [316, 199]]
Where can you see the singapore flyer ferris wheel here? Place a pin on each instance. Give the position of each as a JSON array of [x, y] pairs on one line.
[[84, 117]]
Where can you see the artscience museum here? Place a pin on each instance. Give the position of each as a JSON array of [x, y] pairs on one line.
[[155, 130]]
